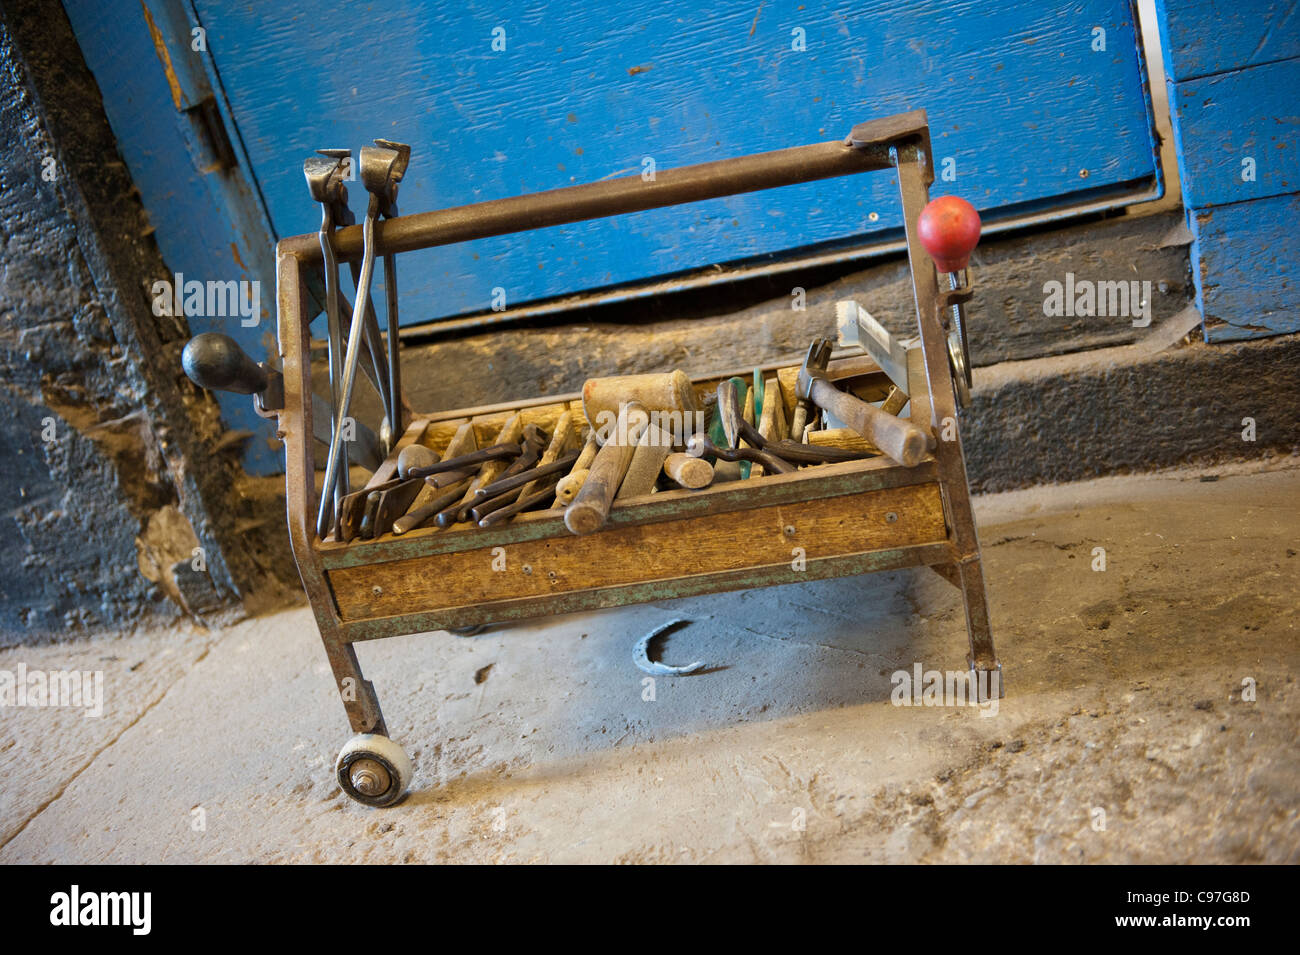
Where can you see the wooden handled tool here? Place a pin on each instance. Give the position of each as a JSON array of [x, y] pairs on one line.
[[571, 483], [602, 398], [462, 442], [590, 508], [508, 437], [771, 419], [563, 438], [688, 470], [643, 472], [901, 440], [534, 440]]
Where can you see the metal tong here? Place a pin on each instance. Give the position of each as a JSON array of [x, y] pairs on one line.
[[382, 168]]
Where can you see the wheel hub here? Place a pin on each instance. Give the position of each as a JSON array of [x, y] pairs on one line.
[[369, 777]]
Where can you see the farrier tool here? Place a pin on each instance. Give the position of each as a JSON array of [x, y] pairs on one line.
[[901, 440], [325, 175], [325, 182], [372, 358], [795, 452], [701, 444], [382, 168]]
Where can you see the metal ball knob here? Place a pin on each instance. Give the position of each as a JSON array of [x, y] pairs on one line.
[[216, 362]]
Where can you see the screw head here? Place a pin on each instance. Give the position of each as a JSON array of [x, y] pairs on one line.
[[891, 517], [377, 590], [789, 530], [528, 568]]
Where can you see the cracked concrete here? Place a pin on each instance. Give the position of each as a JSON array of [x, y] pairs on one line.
[[1151, 716]]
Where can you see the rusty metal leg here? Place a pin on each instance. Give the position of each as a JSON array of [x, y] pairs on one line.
[[983, 659], [357, 693], [915, 173]]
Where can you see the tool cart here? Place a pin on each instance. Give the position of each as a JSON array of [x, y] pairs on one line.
[[846, 517]]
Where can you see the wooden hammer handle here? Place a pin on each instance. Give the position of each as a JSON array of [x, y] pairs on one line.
[[590, 508], [901, 440]]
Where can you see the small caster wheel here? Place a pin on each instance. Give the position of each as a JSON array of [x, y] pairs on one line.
[[467, 631], [373, 769]]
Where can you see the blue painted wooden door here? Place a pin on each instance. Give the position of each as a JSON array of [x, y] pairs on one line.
[[1033, 107], [1020, 101]]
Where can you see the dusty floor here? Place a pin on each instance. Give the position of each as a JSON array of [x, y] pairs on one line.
[[1126, 735]]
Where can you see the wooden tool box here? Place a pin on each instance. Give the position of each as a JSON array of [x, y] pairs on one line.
[[846, 518]]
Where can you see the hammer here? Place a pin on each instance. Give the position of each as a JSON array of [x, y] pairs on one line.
[[901, 440], [590, 508]]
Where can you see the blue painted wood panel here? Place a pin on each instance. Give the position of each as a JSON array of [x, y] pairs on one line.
[[1246, 259], [193, 225], [1032, 114], [1204, 37], [1234, 94], [1227, 119]]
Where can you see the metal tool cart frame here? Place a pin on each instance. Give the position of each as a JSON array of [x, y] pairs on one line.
[[850, 518]]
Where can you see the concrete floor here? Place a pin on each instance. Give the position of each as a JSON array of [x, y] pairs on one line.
[[1124, 736]]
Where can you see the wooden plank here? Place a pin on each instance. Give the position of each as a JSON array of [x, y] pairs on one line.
[[1236, 134], [818, 568], [711, 543], [1203, 37], [1246, 263]]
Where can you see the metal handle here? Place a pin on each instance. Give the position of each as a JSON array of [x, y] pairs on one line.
[[216, 362], [949, 228]]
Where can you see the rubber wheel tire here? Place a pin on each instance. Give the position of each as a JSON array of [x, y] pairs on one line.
[[387, 754]]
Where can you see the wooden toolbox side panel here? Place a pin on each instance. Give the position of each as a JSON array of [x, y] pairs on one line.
[[713, 543]]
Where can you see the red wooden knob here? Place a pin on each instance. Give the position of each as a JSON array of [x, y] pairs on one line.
[[949, 228]]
